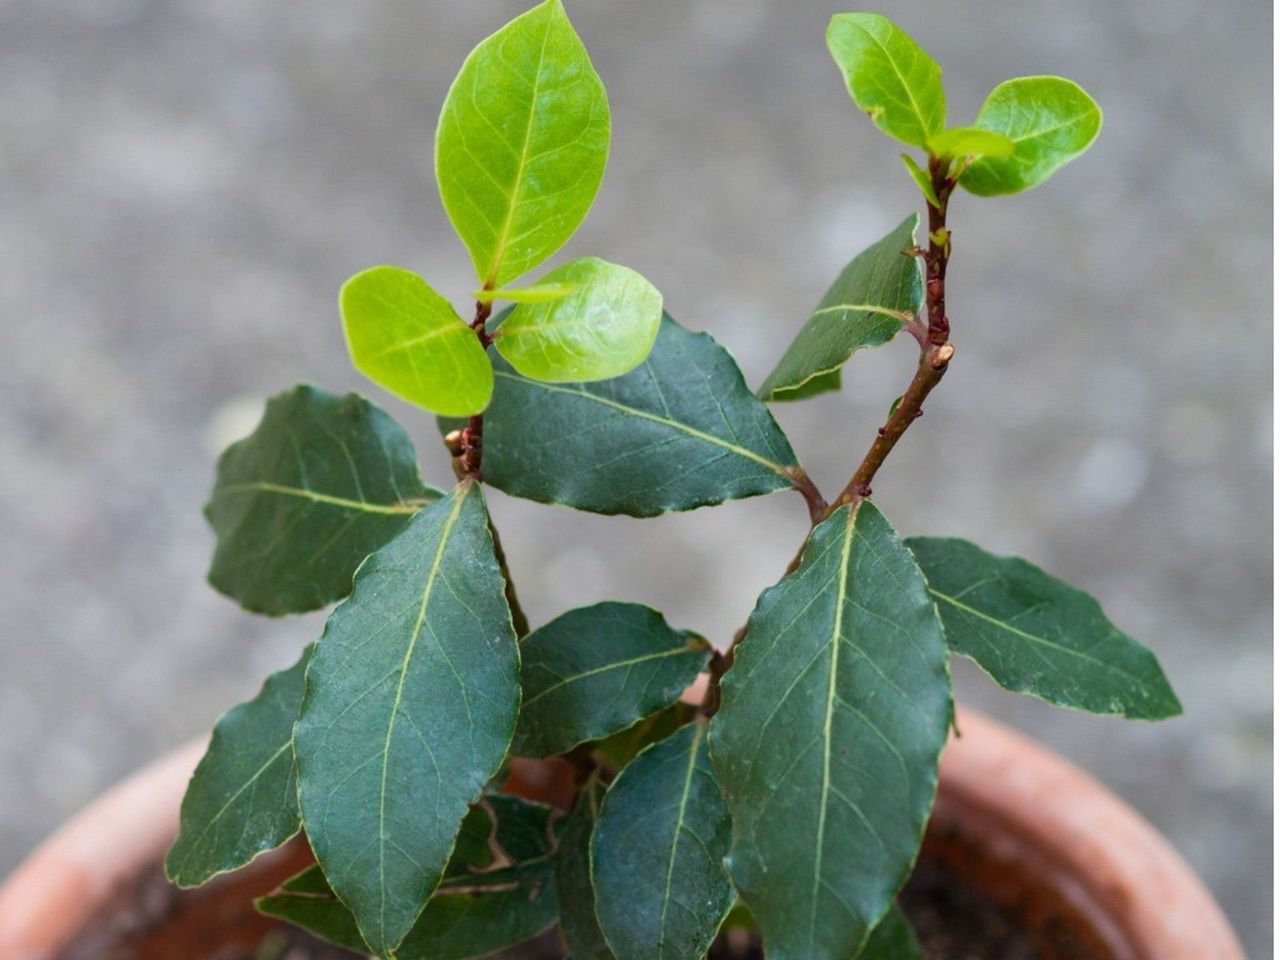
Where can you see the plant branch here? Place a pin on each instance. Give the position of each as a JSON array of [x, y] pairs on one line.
[[936, 349], [471, 440], [813, 497]]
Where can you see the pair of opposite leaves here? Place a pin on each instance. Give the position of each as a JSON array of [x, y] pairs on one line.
[[521, 148], [1027, 129]]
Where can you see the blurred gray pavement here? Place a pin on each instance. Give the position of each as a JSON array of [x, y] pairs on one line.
[[185, 184]]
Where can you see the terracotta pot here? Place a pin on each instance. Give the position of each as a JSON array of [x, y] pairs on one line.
[[1034, 833]]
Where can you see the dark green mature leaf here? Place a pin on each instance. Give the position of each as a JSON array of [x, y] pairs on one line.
[[408, 339], [522, 143], [1051, 121], [871, 300], [596, 670], [410, 706], [603, 328], [243, 796], [319, 485], [657, 853], [621, 748], [892, 939], [481, 905], [828, 736], [889, 76], [1035, 634], [680, 431], [577, 896]]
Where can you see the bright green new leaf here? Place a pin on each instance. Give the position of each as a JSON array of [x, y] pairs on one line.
[[480, 907], [969, 142], [1035, 634], [602, 329], [657, 852], [869, 303], [680, 431], [889, 76], [596, 670], [410, 706], [539, 293], [408, 340], [1051, 121], [243, 796], [922, 180], [577, 896], [319, 485], [827, 740], [522, 143], [892, 939]]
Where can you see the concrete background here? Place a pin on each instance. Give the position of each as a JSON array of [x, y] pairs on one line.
[[185, 184]]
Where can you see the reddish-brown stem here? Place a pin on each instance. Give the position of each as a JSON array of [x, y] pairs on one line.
[[471, 440], [813, 497], [934, 336], [936, 348]]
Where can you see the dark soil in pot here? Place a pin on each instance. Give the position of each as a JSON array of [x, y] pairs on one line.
[[964, 902]]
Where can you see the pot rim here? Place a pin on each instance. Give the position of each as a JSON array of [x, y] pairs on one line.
[[1012, 784], [1095, 848]]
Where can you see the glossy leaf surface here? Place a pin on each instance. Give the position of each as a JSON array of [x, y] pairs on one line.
[[522, 143], [297, 505], [827, 740], [538, 293], [408, 340], [481, 905], [892, 939], [1051, 121], [869, 303], [577, 896], [969, 142], [410, 705], [603, 328], [889, 76], [1035, 634], [596, 670], [680, 431], [243, 797], [657, 852]]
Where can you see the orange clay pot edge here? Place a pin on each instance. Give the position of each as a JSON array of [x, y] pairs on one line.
[[1149, 895], [1123, 866]]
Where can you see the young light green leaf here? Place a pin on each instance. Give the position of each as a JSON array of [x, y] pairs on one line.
[[922, 180], [596, 670], [1035, 634], [408, 340], [577, 896], [969, 142], [480, 906], [539, 293], [522, 143], [892, 939], [1051, 121], [657, 852], [827, 740], [409, 709], [243, 796], [679, 432], [603, 329], [889, 76], [869, 303], [319, 485]]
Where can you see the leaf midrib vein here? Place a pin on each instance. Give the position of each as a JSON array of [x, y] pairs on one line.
[[673, 424], [265, 486], [445, 533]]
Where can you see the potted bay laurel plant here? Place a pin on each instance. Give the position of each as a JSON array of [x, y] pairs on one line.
[[782, 812]]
